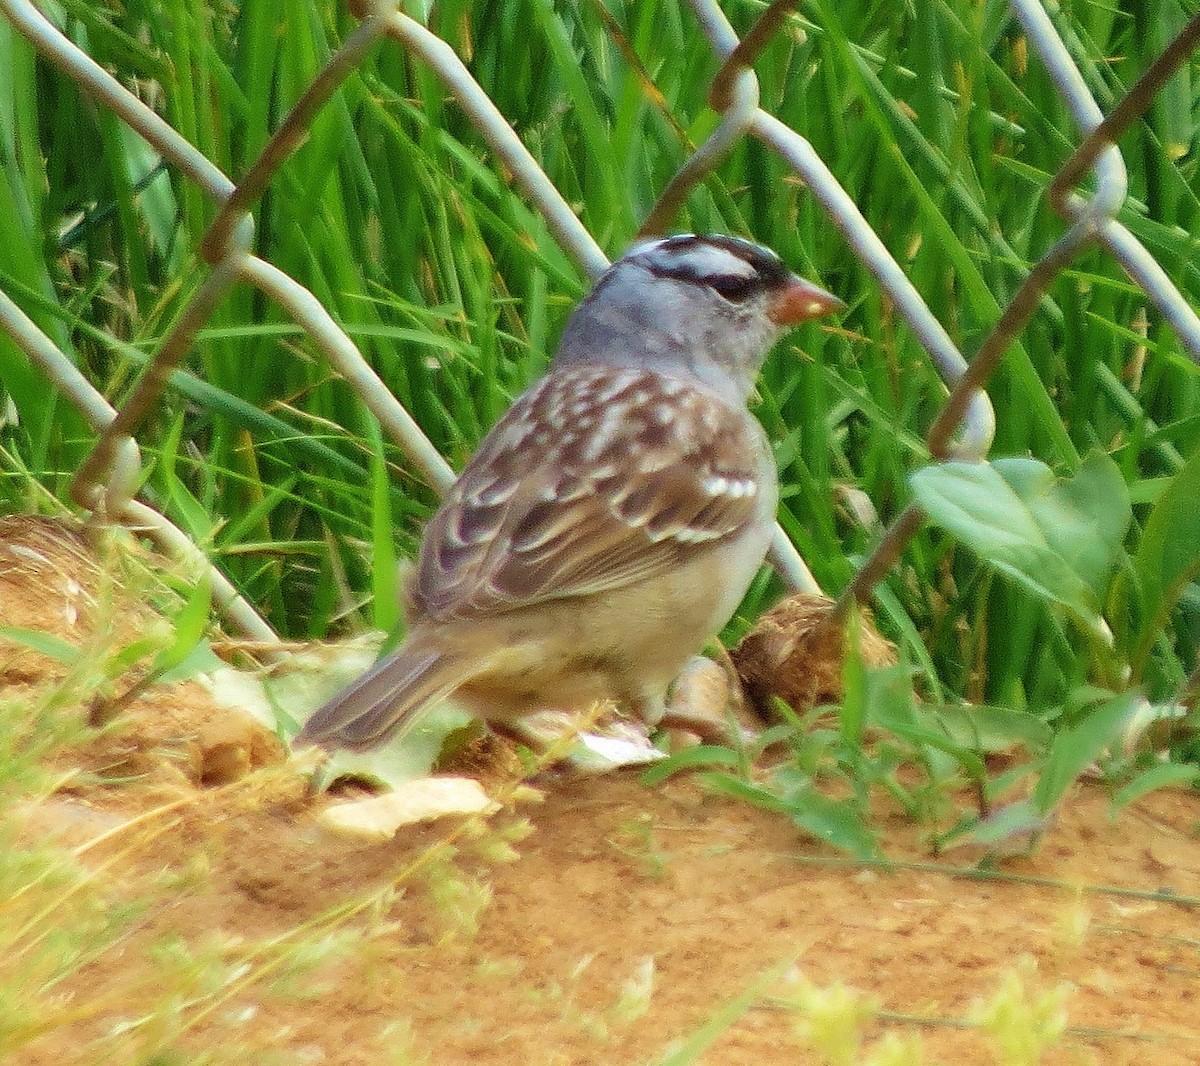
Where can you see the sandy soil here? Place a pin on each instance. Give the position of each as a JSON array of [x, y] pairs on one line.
[[630, 920]]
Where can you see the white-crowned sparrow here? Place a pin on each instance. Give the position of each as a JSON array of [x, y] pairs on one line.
[[612, 520]]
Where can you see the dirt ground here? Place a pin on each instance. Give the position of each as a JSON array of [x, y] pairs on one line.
[[632, 920]]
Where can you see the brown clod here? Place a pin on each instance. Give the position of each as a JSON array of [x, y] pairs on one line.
[[791, 654]]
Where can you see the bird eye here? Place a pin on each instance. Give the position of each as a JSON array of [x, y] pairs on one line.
[[732, 288]]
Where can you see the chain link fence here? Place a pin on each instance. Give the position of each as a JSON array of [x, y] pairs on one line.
[[107, 482]]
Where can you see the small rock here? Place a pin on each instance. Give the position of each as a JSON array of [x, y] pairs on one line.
[[378, 817]]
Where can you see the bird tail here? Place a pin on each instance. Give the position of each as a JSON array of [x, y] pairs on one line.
[[385, 700]]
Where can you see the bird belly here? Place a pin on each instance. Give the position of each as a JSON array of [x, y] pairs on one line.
[[624, 645]]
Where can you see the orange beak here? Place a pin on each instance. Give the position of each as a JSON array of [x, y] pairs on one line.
[[801, 300]]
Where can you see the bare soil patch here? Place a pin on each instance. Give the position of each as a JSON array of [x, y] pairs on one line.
[[631, 917]]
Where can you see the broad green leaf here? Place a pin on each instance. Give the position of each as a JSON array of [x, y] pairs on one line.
[[1083, 518], [1058, 538], [990, 729], [891, 705], [1075, 749], [930, 736], [1168, 555]]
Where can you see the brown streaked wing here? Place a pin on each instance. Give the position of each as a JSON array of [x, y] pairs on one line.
[[596, 478]]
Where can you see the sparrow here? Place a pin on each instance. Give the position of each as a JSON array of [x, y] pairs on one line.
[[610, 523]]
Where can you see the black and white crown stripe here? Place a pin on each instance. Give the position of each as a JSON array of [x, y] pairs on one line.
[[735, 268]]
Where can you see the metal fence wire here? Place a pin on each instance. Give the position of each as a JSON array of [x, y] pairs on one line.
[[106, 483]]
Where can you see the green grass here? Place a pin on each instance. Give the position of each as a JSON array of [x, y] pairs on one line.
[[937, 118]]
